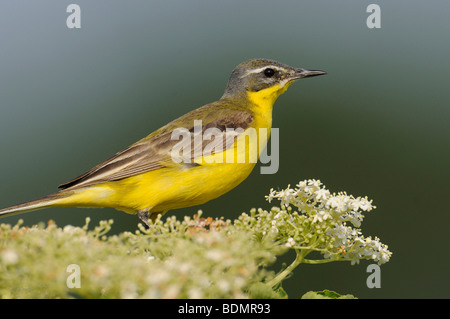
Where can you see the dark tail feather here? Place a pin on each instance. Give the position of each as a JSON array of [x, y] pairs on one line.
[[44, 202]]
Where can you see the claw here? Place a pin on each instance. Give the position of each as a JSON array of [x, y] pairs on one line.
[[143, 216]]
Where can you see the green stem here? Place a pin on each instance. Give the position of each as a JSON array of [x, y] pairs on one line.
[[319, 261], [309, 248], [298, 260], [324, 261]]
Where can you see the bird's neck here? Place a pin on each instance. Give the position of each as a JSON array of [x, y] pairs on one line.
[[262, 101]]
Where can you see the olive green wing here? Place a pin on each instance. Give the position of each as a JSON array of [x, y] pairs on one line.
[[155, 151]]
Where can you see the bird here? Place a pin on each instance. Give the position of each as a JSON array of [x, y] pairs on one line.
[[148, 180]]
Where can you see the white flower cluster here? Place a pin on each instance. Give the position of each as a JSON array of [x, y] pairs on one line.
[[331, 212]]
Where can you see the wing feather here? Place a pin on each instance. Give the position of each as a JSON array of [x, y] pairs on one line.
[[154, 151]]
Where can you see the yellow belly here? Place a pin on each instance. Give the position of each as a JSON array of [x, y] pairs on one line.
[[167, 189], [176, 186]]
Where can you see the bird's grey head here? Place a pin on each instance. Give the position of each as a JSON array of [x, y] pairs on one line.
[[258, 74]]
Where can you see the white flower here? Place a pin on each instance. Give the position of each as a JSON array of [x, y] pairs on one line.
[[321, 216], [272, 195], [9, 256], [224, 285], [338, 202], [287, 196], [354, 217], [290, 242], [195, 293], [215, 255], [385, 256], [354, 262], [301, 184], [314, 183], [365, 204], [322, 194]]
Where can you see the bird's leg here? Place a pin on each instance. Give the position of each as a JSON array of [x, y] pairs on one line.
[[145, 215]]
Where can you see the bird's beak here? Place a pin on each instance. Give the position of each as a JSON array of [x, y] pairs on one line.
[[303, 73]]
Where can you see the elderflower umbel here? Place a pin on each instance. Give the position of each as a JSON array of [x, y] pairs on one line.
[[323, 226]]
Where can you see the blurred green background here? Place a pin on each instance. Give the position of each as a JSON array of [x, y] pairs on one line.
[[376, 125]]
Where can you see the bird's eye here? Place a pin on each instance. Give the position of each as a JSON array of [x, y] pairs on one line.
[[269, 72]]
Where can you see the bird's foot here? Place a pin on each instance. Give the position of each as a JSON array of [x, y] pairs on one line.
[[143, 216]]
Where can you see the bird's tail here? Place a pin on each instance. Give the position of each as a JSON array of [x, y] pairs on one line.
[[44, 202]]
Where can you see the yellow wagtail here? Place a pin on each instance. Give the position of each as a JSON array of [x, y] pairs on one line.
[[145, 179]]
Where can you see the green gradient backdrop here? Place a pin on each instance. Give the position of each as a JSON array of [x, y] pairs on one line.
[[376, 125]]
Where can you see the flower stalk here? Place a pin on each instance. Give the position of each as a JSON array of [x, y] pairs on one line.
[[299, 255]]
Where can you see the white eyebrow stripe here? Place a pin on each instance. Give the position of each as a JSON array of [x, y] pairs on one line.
[[261, 69]]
